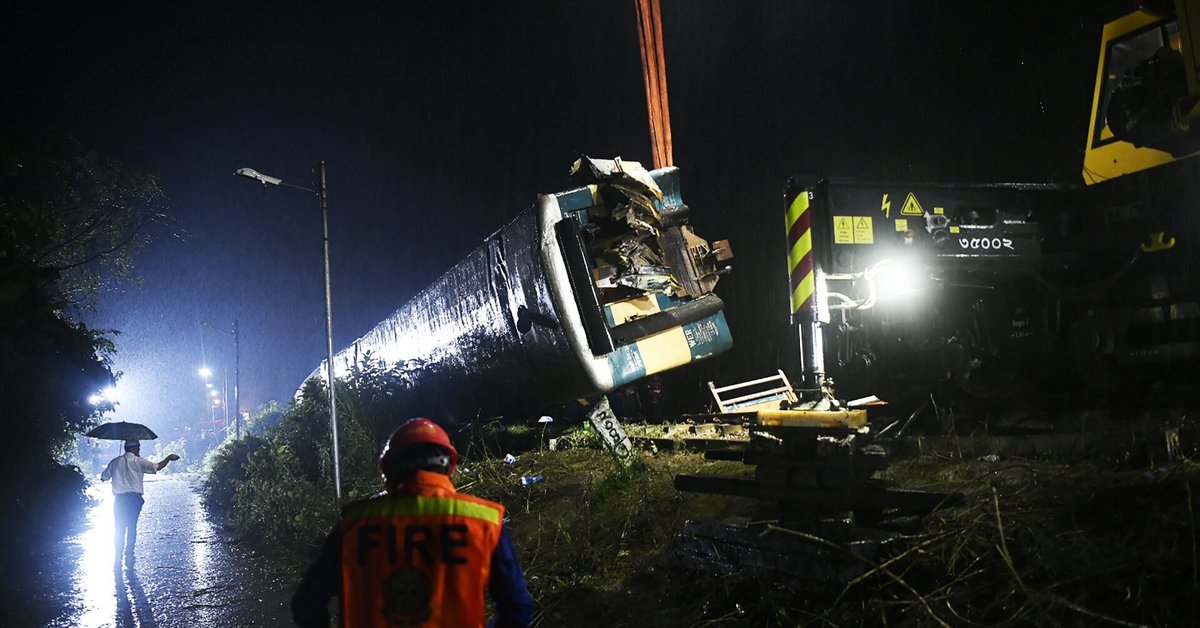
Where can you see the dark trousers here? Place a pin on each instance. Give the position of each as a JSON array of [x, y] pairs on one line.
[[126, 509]]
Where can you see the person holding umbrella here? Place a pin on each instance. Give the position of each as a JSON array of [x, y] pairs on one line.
[[126, 473]]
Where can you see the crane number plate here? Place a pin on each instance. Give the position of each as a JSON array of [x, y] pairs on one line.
[[987, 244]]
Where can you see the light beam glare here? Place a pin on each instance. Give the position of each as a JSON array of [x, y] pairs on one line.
[[94, 578]]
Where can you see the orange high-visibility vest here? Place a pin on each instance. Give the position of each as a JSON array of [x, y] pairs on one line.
[[418, 557]]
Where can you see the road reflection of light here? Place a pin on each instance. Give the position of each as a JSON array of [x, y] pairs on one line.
[[94, 581], [202, 545]]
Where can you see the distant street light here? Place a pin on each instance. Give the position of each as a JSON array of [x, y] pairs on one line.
[[251, 173], [222, 400], [237, 375]]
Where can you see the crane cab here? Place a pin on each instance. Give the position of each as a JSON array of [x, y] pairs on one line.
[[1146, 104]]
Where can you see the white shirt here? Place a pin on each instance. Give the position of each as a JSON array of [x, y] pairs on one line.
[[126, 473]]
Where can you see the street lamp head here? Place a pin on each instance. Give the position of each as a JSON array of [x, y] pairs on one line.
[[251, 173]]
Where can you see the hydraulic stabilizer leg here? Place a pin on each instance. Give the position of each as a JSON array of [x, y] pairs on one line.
[[812, 358], [804, 279]]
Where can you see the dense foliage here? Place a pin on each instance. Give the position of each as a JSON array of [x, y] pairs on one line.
[[73, 212], [280, 486], [69, 219], [49, 365]]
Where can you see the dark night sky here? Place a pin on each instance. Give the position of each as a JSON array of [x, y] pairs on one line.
[[440, 120]]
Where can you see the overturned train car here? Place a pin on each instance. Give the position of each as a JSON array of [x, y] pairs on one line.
[[587, 290]]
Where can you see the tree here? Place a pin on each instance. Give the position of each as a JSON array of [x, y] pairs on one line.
[[73, 212], [70, 222], [48, 366]]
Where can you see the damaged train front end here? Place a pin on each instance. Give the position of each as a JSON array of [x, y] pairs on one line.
[[586, 291]]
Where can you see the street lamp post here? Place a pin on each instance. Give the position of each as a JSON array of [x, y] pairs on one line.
[[237, 374], [251, 173], [225, 393]]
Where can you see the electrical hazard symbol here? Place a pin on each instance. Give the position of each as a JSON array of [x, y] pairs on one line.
[[853, 230], [843, 230], [912, 207]]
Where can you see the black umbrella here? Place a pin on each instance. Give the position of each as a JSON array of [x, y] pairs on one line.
[[122, 431]]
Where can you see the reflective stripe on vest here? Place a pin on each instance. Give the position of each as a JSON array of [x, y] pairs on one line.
[[419, 505], [417, 560]]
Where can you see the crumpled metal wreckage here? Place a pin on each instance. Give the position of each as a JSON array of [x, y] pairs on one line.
[[585, 291]]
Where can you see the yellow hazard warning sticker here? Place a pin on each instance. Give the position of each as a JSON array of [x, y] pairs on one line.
[[912, 207], [864, 231], [901, 224], [853, 230], [938, 211], [843, 230], [954, 229]]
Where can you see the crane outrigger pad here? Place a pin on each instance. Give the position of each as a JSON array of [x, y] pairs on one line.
[[850, 419]]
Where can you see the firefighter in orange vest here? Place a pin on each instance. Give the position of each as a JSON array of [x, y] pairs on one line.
[[419, 553]]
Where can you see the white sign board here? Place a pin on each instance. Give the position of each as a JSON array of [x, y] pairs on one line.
[[611, 432]]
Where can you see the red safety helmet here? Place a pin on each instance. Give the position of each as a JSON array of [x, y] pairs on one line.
[[413, 432]]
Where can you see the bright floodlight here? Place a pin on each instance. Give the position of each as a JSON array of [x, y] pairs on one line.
[[205, 372], [212, 393], [895, 278], [108, 395], [251, 173]]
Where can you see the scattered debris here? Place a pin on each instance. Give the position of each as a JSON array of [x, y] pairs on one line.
[[815, 483], [601, 545]]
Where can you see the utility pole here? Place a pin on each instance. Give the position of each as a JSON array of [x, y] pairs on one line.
[[251, 173]]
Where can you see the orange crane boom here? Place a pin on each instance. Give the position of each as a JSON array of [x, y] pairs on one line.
[[654, 72]]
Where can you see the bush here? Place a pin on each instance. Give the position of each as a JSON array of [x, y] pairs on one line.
[[227, 467], [177, 447], [289, 510], [283, 483]]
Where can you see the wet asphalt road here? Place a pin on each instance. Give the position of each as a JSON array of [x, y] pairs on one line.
[[187, 571]]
